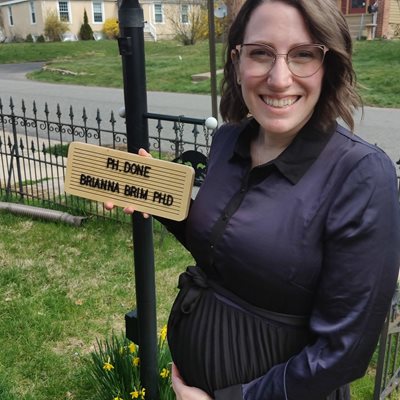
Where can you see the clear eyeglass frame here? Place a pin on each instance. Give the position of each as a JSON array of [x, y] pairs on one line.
[[303, 60]]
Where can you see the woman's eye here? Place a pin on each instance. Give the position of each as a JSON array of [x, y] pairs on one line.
[[302, 55], [261, 53]]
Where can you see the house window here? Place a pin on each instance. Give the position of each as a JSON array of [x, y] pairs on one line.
[[158, 13], [63, 10], [357, 6], [97, 11], [33, 11], [185, 13], [10, 16]]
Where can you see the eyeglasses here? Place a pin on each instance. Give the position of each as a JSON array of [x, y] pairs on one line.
[[303, 61]]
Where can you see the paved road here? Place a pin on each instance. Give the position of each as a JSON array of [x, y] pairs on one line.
[[379, 125]]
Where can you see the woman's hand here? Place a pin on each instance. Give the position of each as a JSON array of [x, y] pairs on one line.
[[184, 392], [108, 205]]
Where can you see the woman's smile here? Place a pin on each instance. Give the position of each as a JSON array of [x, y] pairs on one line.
[[279, 102]]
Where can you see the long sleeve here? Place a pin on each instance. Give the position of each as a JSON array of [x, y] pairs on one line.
[[361, 242], [177, 228]]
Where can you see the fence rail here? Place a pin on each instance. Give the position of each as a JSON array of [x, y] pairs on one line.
[[33, 150], [387, 380]]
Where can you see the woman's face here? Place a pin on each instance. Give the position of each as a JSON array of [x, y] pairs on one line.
[[281, 102]]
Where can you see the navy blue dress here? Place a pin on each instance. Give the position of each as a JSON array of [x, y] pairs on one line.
[[313, 233]]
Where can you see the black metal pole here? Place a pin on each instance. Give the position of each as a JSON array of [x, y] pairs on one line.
[[131, 45], [213, 67]]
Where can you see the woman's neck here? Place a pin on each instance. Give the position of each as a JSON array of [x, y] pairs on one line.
[[266, 147]]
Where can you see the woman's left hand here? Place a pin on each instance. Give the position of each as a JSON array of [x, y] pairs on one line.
[[183, 391]]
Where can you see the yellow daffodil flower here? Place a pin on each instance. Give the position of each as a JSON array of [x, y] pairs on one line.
[[134, 394], [163, 333], [136, 361], [132, 348], [108, 366], [164, 373], [143, 393]]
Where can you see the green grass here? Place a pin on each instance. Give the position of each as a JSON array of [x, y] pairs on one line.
[[169, 65], [377, 64], [63, 287]]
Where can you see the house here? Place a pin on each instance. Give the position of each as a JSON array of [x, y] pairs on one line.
[[18, 18], [372, 18]]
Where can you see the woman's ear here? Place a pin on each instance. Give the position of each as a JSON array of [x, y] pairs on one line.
[[235, 62]]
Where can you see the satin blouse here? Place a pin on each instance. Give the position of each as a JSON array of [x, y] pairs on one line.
[[314, 232]]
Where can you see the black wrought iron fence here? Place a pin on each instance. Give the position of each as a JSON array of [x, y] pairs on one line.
[[33, 150], [387, 380]]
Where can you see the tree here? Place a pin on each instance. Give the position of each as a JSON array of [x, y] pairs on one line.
[[53, 27], [187, 21], [86, 32]]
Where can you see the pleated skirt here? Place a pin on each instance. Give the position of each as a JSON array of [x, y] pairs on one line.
[[218, 341]]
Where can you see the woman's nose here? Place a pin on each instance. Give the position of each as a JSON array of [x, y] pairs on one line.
[[279, 76]]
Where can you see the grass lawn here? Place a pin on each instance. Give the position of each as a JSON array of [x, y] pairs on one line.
[[61, 288], [169, 65]]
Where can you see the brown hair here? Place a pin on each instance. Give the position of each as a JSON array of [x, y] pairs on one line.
[[327, 26]]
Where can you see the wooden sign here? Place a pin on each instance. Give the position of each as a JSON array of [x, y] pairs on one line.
[[157, 187]]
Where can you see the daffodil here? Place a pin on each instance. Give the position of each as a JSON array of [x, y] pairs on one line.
[[143, 393], [118, 398], [108, 366], [132, 348], [163, 333], [136, 361], [164, 373], [134, 394]]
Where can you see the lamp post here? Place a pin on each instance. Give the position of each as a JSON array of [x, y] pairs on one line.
[[213, 67], [141, 324]]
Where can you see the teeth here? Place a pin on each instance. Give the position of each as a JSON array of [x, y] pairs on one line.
[[279, 103]]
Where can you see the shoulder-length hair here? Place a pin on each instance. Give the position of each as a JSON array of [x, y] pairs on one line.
[[327, 26]]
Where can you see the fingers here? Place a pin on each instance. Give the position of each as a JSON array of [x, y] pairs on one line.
[[175, 373], [108, 205], [144, 153], [131, 210], [184, 392], [177, 382]]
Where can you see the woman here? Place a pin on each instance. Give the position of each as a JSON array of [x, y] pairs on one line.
[[295, 231]]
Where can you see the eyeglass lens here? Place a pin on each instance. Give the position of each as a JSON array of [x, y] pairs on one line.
[[302, 61]]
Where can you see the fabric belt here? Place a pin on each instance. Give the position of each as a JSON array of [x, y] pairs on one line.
[[194, 282]]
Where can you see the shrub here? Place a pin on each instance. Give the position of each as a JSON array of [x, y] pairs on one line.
[[40, 39], [86, 32], [115, 369], [220, 24], [111, 28], [53, 27], [29, 38]]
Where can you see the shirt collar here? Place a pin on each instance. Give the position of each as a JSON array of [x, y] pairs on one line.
[[297, 158]]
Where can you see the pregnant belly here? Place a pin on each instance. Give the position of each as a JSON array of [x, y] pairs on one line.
[[216, 344]]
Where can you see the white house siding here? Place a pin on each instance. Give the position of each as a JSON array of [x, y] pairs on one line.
[[77, 9], [22, 18], [394, 19]]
